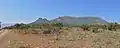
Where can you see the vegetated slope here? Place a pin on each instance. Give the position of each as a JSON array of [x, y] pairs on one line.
[[80, 20], [67, 20]]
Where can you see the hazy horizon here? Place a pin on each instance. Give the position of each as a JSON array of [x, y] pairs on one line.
[[54, 18], [26, 11]]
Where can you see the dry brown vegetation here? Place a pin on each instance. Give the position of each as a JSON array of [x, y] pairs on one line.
[[72, 38], [66, 37]]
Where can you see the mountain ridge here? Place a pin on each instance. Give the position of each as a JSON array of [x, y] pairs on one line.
[[68, 20]]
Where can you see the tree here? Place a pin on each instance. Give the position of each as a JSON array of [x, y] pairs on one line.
[[60, 25], [112, 26], [20, 26], [85, 27]]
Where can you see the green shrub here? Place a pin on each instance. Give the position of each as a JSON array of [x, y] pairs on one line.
[[112, 26], [59, 25], [95, 29], [85, 27]]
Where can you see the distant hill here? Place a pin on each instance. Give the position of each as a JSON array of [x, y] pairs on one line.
[[68, 20], [40, 21], [80, 20], [7, 24]]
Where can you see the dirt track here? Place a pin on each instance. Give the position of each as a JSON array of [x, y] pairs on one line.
[[3, 41]]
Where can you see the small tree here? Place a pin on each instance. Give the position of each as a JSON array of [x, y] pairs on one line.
[[20, 26], [60, 25], [17, 25], [85, 27], [95, 29], [112, 26]]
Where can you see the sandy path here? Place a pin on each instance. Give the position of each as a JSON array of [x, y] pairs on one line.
[[3, 41], [3, 33]]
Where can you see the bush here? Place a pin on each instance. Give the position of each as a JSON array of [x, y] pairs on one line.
[[52, 28], [46, 31], [112, 26], [95, 29], [59, 25], [85, 27]]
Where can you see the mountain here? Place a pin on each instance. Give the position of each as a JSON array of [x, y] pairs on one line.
[[68, 20], [40, 21]]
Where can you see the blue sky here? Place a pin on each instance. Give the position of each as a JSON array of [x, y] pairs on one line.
[[29, 10]]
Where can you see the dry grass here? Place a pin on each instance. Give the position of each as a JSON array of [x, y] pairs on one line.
[[77, 38], [27, 31]]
